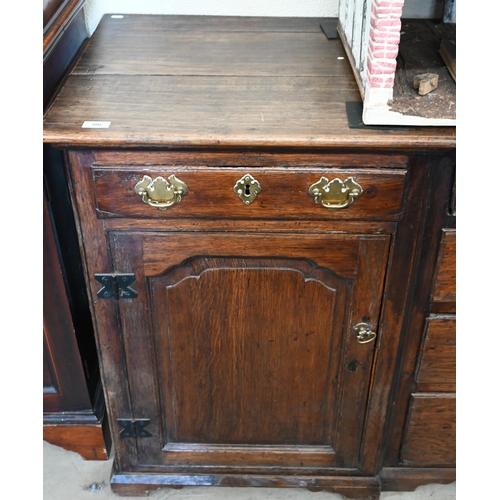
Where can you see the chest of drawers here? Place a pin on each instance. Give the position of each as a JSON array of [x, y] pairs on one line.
[[252, 262]]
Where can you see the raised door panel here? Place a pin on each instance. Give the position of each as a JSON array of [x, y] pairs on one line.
[[240, 348]]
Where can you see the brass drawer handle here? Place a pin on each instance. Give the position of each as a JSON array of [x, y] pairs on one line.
[[364, 333], [161, 193], [335, 194]]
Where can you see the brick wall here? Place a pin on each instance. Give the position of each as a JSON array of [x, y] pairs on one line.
[[383, 42]]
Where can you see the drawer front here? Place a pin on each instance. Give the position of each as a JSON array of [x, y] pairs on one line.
[[283, 193], [445, 282], [430, 432], [437, 365]]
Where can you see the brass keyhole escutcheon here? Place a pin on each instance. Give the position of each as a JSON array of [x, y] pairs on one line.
[[247, 189], [364, 333]]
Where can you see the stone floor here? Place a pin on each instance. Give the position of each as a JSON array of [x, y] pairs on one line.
[[66, 476]]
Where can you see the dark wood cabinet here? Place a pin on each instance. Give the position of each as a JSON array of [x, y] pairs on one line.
[[74, 414], [252, 262]]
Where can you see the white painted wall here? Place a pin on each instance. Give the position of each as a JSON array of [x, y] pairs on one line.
[[95, 9]]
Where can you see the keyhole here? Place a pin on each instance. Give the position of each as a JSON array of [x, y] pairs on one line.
[[247, 189]]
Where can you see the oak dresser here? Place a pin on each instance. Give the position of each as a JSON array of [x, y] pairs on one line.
[[271, 282]]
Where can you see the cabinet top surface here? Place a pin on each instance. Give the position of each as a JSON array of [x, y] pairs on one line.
[[199, 81]]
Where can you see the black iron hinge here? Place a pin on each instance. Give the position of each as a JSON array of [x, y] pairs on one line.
[[116, 286], [134, 428]]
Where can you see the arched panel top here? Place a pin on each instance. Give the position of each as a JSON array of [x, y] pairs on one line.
[[194, 267]]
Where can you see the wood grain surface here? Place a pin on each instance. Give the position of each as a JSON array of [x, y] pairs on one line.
[[239, 348], [284, 193], [219, 323], [446, 280], [437, 366], [430, 431], [241, 83]]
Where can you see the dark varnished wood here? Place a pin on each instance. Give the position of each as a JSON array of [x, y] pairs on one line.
[[284, 193], [445, 280], [405, 248], [253, 226], [436, 369], [238, 340], [229, 111], [84, 432], [408, 479], [112, 363], [420, 306], [73, 418], [58, 16], [64, 380], [345, 255], [148, 23], [49, 10], [85, 439], [284, 157], [74, 413], [206, 53], [430, 431], [217, 281], [353, 487], [266, 92]]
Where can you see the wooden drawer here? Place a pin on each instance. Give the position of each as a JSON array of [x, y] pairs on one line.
[[437, 365], [445, 278], [284, 193], [430, 431]]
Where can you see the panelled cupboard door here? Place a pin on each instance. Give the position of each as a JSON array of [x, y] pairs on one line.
[[241, 348]]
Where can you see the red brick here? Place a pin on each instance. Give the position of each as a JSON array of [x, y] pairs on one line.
[[386, 24], [389, 3], [384, 36], [381, 82], [386, 12], [380, 67], [377, 46], [384, 54]]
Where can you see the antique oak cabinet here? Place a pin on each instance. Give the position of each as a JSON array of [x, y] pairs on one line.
[[261, 271]]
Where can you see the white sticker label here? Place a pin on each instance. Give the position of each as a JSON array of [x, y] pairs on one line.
[[96, 124], [116, 16]]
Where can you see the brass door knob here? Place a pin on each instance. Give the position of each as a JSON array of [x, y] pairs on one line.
[[335, 194], [364, 333], [161, 193]]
